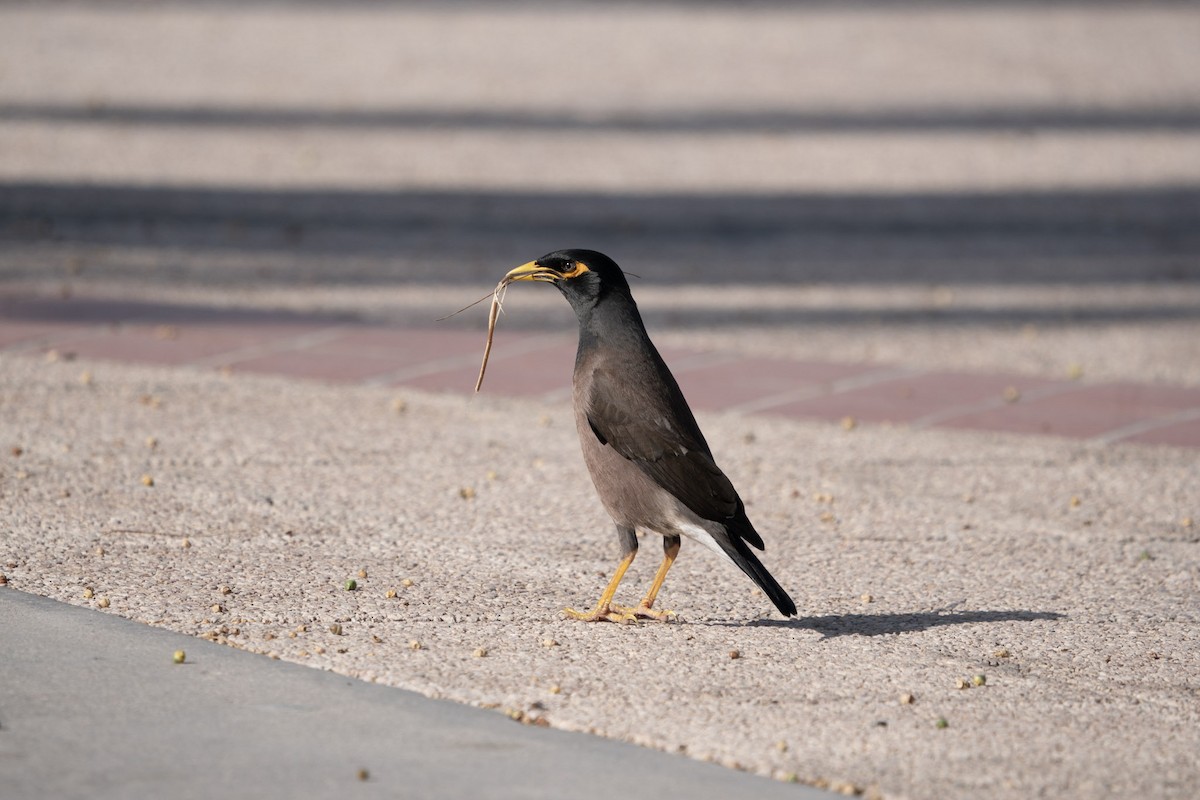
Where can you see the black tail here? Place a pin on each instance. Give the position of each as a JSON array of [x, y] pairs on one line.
[[745, 558]]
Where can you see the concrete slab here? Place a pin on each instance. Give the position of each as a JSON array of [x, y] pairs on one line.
[[93, 706]]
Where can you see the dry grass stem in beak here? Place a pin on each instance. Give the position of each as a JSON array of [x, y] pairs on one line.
[[493, 313]]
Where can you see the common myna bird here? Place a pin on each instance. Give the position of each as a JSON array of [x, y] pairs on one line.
[[651, 466]]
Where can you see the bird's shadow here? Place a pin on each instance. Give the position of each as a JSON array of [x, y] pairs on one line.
[[834, 625]]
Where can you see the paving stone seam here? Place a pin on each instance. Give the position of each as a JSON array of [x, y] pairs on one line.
[[1146, 425], [991, 404], [872, 378], [286, 344]]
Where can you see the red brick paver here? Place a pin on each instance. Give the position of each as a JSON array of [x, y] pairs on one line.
[[539, 365]]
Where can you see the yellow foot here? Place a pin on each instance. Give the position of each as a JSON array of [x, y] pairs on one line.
[[603, 613], [644, 611]]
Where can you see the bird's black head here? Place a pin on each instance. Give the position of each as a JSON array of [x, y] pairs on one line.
[[583, 276]]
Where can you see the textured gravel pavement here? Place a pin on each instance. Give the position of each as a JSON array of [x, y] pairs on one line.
[[917, 561]]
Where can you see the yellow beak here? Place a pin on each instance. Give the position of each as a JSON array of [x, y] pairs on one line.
[[531, 272]]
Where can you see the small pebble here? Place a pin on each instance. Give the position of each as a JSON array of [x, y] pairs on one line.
[[351, 585], [866, 598], [390, 593], [466, 493], [480, 652], [180, 656], [151, 442], [362, 573], [3, 579], [962, 683], [1011, 394], [413, 644], [363, 775], [1001, 653], [225, 590], [826, 516], [399, 405], [147, 480], [335, 629], [781, 746], [1186, 522], [216, 608], [849, 423], [88, 594], [549, 643], [319, 650], [735, 654], [978, 680], [376, 639], [1076, 502], [17, 451], [102, 602], [186, 543], [99, 550], [556, 689], [407, 582], [907, 699], [85, 378]]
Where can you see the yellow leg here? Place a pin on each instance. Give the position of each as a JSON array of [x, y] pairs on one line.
[[604, 611], [645, 609]]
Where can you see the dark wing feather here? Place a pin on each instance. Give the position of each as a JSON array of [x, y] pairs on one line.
[[663, 441]]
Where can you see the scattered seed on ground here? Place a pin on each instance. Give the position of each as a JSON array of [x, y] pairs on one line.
[[978, 680], [941, 723], [351, 585], [480, 652], [407, 582], [735, 654], [102, 602], [147, 480], [907, 699], [335, 629], [180, 656]]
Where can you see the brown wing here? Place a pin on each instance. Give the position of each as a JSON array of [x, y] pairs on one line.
[[662, 439]]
